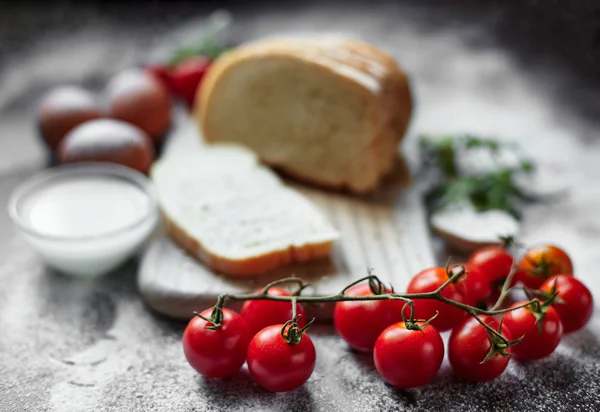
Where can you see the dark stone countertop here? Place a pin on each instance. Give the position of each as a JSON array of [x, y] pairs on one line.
[[517, 70]]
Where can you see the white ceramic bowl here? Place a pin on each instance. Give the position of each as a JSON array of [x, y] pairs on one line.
[[85, 219]]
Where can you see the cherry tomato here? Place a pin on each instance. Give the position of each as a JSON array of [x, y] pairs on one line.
[[429, 280], [217, 353], [542, 262], [476, 287], [535, 345], [493, 262], [359, 323], [187, 76], [262, 313], [578, 303], [279, 366], [408, 358], [468, 346]]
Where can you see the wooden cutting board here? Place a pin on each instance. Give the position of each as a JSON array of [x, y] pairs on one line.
[[386, 232]]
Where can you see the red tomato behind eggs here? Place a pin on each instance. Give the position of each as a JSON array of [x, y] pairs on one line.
[[161, 72], [187, 76]]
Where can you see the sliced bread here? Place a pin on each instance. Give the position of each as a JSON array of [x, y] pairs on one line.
[[236, 215], [330, 111]]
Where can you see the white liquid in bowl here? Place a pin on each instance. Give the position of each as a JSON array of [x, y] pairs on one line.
[[86, 220], [93, 206]]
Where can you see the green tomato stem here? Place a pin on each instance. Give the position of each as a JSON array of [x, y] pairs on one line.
[[505, 288]]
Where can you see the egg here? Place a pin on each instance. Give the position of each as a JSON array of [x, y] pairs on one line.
[[137, 97], [108, 140], [64, 108]]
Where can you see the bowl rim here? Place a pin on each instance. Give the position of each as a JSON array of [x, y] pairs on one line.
[[80, 170]]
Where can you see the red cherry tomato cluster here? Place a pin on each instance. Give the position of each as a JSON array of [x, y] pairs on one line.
[[546, 269], [184, 78], [254, 337], [543, 270], [407, 347], [408, 357]]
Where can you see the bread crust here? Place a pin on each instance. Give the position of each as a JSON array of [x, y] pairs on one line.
[[393, 101], [247, 267]]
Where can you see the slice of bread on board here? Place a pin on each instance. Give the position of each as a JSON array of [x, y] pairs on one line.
[[236, 215], [326, 110]]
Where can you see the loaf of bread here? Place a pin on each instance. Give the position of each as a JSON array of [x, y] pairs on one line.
[[327, 110], [236, 215]]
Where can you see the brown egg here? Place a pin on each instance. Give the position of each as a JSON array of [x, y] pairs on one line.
[[63, 109], [137, 97], [108, 140]]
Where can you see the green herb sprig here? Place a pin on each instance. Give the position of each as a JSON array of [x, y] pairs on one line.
[[495, 189], [207, 46]]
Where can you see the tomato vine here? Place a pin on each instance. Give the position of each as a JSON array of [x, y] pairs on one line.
[[292, 333], [401, 330]]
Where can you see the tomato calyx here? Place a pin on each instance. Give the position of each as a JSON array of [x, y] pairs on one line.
[[216, 318], [507, 241], [510, 242], [538, 309], [498, 343], [415, 324], [456, 273], [540, 268], [292, 333], [551, 295]]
